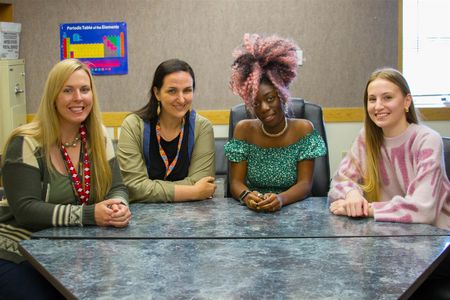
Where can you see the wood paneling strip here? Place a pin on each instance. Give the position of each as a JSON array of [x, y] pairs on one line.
[[330, 115]]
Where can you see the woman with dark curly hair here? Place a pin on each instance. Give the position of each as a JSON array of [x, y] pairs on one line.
[[272, 156]]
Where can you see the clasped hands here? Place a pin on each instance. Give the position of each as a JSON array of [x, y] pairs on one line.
[[268, 202], [112, 212]]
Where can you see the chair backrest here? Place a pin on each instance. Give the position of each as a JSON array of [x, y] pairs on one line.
[[221, 161], [446, 141], [221, 168], [299, 109]]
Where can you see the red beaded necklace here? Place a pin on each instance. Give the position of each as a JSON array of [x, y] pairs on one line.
[[81, 188]]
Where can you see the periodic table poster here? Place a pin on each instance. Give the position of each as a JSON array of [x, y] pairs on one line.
[[103, 46]]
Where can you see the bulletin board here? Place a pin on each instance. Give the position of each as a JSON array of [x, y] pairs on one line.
[[103, 46]]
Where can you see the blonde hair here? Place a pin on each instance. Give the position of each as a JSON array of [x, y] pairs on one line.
[[45, 125], [374, 134]]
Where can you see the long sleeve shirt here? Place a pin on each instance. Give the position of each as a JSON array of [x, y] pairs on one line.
[[34, 202], [413, 184], [134, 170]]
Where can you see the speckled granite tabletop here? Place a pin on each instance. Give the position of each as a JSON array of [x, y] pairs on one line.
[[303, 268], [226, 218]]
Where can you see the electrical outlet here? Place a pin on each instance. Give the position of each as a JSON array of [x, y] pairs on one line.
[[300, 57]]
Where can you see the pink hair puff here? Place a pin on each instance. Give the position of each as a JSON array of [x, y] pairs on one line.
[[270, 57]]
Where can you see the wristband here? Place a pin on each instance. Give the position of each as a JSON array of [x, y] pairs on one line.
[[243, 195]]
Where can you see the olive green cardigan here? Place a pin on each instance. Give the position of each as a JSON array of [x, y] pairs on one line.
[[134, 170], [38, 198]]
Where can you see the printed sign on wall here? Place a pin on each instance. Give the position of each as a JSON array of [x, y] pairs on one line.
[[103, 46]]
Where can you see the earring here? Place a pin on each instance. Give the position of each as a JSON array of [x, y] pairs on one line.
[[158, 109], [406, 109]]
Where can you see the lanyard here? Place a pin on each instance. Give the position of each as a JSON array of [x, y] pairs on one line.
[[170, 167], [81, 188]]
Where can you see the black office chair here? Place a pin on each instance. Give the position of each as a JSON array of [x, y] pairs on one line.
[[300, 109], [446, 141], [221, 163]]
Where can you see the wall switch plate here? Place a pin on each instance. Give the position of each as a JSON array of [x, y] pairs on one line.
[[300, 57]]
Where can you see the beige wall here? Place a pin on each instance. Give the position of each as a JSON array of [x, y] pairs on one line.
[[342, 40]]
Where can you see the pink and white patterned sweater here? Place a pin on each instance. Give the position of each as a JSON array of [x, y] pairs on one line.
[[414, 187]]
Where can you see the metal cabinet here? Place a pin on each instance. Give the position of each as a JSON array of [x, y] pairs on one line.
[[12, 97]]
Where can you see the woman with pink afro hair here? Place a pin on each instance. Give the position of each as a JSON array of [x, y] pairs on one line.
[[271, 59], [272, 156]]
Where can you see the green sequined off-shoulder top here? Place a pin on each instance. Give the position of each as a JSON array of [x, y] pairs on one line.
[[274, 170]]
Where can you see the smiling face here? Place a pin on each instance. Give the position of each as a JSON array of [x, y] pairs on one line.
[[386, 106], [175, 94], [267, 108], [74, 101]]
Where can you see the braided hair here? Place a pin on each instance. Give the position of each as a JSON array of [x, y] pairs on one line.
[[270, 58]]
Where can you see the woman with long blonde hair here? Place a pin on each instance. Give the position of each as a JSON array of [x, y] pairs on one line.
[[58, 170], [395, 170]]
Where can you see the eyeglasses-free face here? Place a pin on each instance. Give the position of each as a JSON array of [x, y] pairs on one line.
[[268, 109], [176, 94], [75, 100], [387, 106]]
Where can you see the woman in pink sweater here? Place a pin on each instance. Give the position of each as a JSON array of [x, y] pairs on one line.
[[395, 170]]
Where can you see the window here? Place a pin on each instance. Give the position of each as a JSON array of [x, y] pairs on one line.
[[426, 50]]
